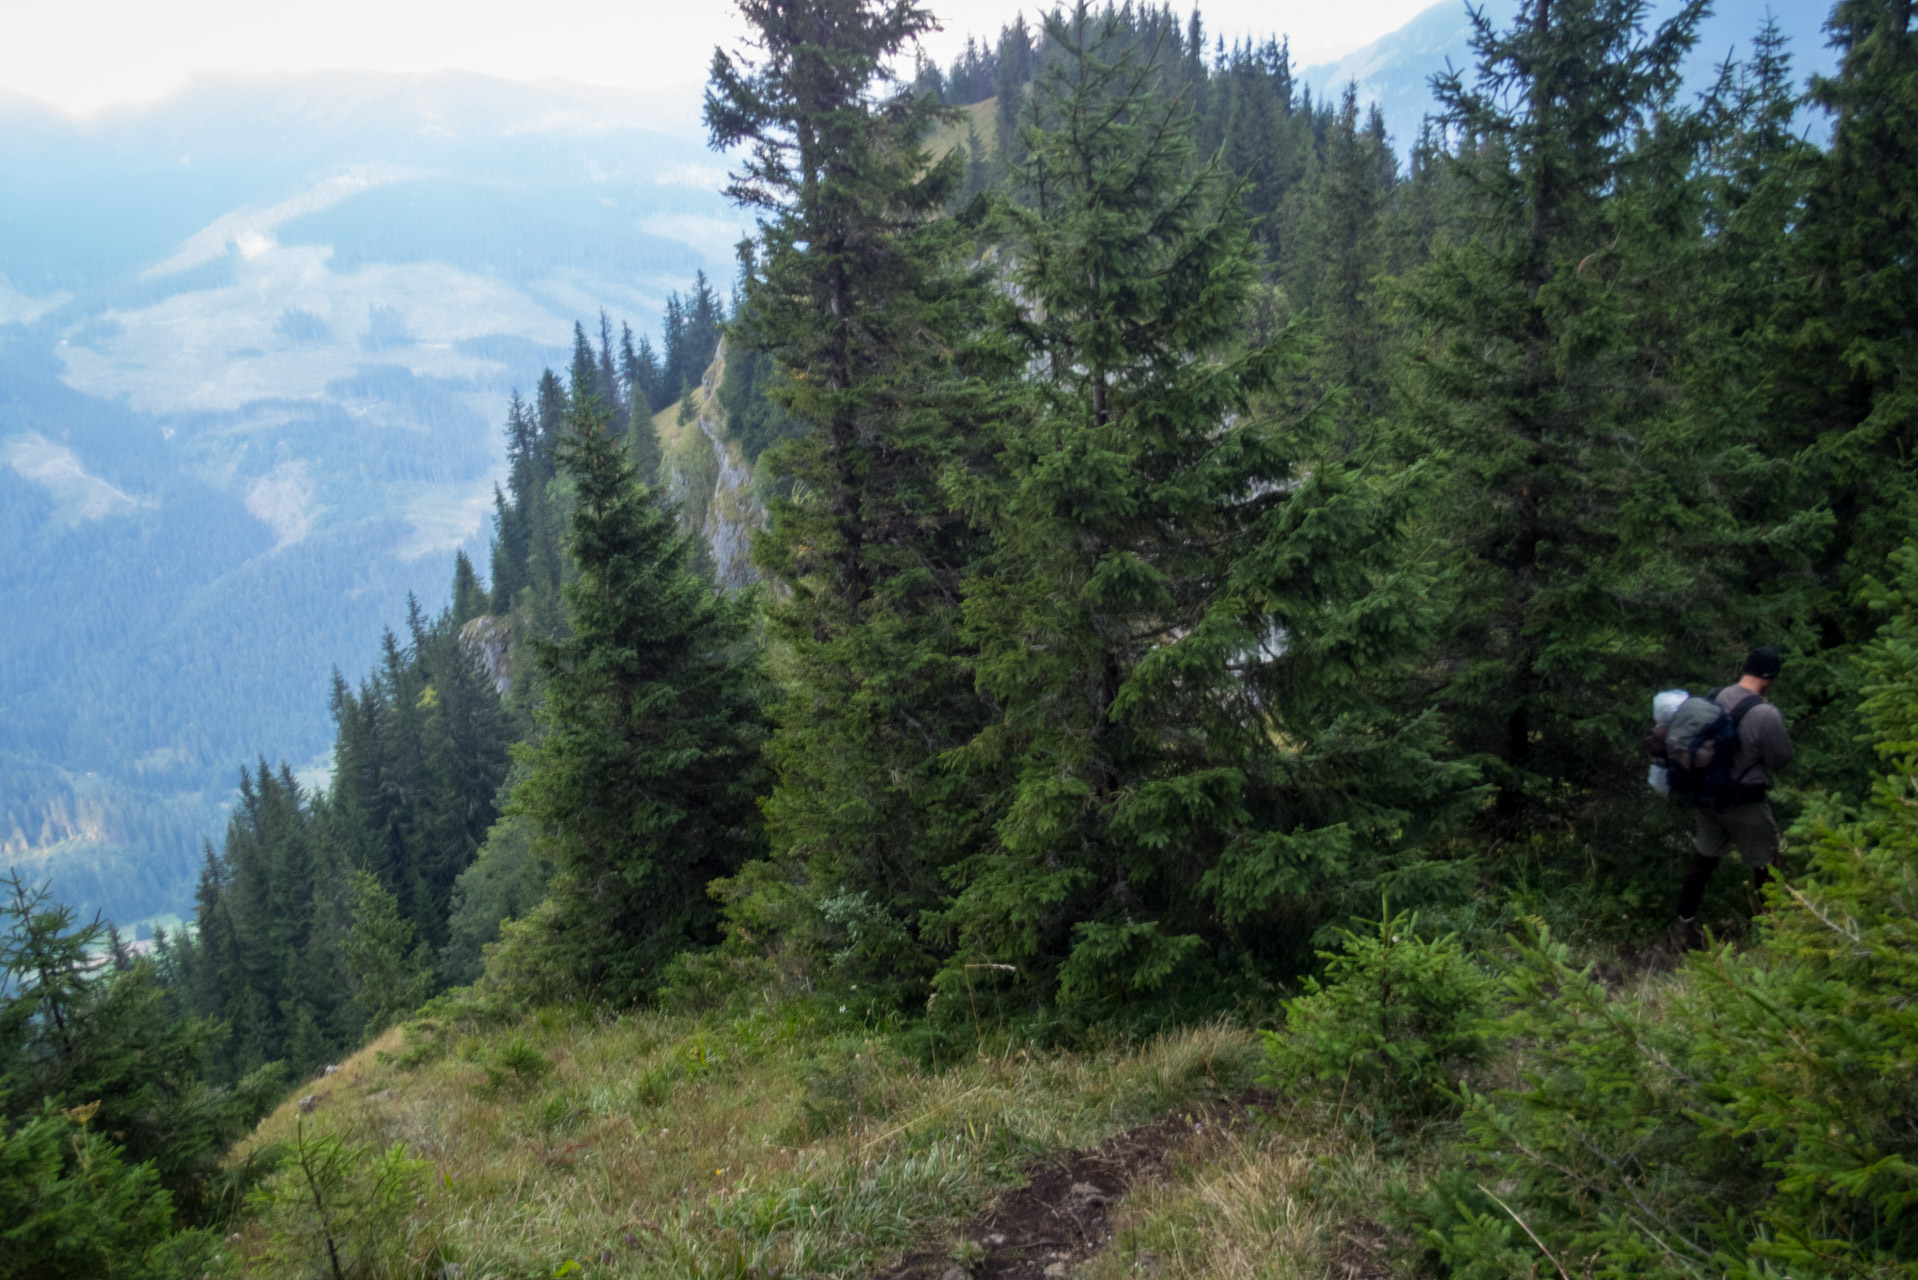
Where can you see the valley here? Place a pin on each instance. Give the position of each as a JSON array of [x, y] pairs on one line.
[[251, 397]]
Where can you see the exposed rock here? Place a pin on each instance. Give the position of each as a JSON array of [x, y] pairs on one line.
[[1085, 1195], [710, 478], [491, 639], [732, 514]]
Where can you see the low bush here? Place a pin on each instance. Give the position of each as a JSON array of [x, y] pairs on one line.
[[516, 1066], [1391, 1027], [341, 1211], [73, 1208], [1751, 1117]]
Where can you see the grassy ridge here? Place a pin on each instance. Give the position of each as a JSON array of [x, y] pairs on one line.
[[983, 116], [785, 1142], [687, 466]]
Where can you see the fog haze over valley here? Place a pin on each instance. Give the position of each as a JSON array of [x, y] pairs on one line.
[[256, 343]]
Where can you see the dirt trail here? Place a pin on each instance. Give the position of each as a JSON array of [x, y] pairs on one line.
[[1062, 1216]]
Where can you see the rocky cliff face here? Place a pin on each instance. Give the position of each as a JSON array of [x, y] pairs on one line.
[[491, 640], [705, 470]]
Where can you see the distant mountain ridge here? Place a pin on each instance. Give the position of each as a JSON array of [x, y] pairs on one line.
[[1396, 70], [256, 342]]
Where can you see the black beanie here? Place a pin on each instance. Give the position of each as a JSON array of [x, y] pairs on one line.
[[1763, 662]]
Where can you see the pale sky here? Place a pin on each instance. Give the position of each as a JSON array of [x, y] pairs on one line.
[[84, 56]]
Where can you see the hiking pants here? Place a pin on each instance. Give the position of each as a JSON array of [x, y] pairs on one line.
[[1750, 827]]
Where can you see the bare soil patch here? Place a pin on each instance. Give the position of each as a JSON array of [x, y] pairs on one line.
[[1062, 1215], [1362, 1252]]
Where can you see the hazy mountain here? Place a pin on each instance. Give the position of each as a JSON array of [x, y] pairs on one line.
[[1396, 70], [256, 342]]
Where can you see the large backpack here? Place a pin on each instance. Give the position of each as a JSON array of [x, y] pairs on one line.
[[1700, 745]]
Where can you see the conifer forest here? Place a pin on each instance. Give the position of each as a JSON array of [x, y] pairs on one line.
[[1210, 567]]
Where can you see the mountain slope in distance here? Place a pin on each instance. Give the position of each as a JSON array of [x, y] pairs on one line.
[[256, 343], [1396, 70]]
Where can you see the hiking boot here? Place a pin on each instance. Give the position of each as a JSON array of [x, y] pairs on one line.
[[1686, 934]]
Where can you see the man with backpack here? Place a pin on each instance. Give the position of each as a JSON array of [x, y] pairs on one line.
[[1722, 750]]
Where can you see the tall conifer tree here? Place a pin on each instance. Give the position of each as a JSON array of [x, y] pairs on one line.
[[1545, 376], [644, 773], [1849, 364], [1179, 582], [860, 296]]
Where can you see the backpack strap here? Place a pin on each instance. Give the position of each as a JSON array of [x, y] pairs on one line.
[[1738, 714]]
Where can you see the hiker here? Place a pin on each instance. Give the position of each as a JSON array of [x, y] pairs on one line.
[[1729, 802]]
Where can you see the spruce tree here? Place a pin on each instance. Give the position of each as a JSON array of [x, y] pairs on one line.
[[1723, 293], [1847, 390], [642, 778], [76, 1209], [114, 1044], [862, 298], [549, 413], [672, 348], [640, 372], [1193, 615], [1012, 72], [420, 753], [978, 167], [703, 319], [466, 740], [582, 380], [1545, 374], [469, 597], [1263, 140], [391, 972], [608, 381], [512, 534], [639, 369], [1347, 240]]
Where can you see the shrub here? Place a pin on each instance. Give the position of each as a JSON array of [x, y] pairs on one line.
[[531, 966], [517, 1065], [1754, 1119], [72, 1208], [1392, 1025], [336, 1211], [1594, 1138], [391, 973]]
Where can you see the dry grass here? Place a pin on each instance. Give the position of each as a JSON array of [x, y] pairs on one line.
[[983, 117], [688, 467], [1293, 1199], [781, 1144]]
